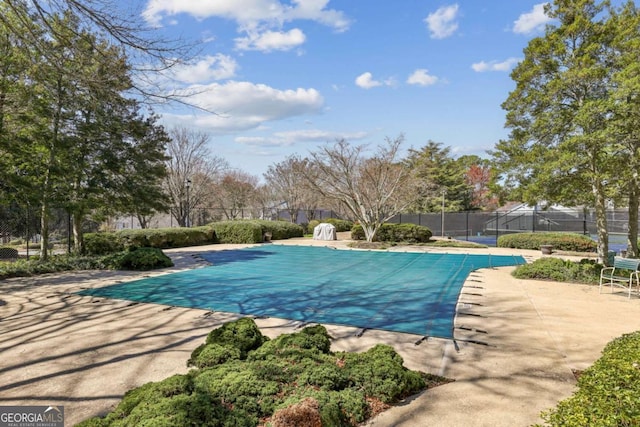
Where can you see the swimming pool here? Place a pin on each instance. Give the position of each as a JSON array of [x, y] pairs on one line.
[[414, 293]]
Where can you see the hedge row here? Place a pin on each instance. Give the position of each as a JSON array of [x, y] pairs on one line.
[[340, 224], [560, 241], [243, 378], [161, 238], [253, 231], [409, 233], [607, 392]]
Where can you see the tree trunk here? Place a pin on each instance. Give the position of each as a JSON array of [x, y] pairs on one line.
[[632, 234], [601, 224], [44, 230], [78, 237]]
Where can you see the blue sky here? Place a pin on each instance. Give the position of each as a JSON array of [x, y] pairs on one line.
[[289, 76]]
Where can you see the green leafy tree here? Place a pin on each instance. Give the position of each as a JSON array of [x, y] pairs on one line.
[[559, 144], [440, 177], [73, 140], [625, 107]]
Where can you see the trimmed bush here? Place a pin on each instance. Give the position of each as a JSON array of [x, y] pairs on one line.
[[143, 259], [409, 233], [102, 243], [607, 392], [237, 232], [293, 379], [161, 238], [549, 268], [253, 231], [560, 241], [340, 224], [280, 229]]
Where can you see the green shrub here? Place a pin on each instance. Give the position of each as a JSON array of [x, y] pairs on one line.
[[143, 259], [253, 231], [57, 263], [161, 238], [380, 373], [556, 269], [560, 241], [208, 355], [607, 392], [237, 232], [340, 224], [102, 243], [290, 378], [311, 340], [280, 229], [243, 334], [409, 233]]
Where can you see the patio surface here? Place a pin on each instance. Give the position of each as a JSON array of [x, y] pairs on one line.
[[517, 343]]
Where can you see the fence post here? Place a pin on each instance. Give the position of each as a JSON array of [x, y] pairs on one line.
[[28, 211], [497, 232], [467, 225]]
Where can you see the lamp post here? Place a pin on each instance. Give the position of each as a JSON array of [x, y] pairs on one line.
[[187, 209]]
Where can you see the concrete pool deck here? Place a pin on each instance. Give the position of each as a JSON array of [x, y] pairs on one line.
[[517, 343]]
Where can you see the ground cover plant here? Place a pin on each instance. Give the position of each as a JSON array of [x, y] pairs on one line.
[[242, 378], [560, 241], [549, 268], [608, 391], [136, 259]]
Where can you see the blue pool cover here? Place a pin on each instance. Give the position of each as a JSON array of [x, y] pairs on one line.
[[416, 293]]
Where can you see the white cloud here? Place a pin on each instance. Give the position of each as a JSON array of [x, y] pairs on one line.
[[366, 81], [204, 69], [244, 105], [531, 22], [271, 40], [442, 23], [421, 77], [505, 65], [249, 14], [304, 136]]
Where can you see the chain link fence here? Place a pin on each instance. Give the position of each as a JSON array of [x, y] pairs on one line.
[[20, 226], [20, 229]]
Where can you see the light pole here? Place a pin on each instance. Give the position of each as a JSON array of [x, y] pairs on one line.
[[444, 192], [187, 209]]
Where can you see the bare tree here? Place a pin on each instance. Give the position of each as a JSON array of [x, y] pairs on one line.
[[235, 193], [373, 189], [192, 173], [287, 179]]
